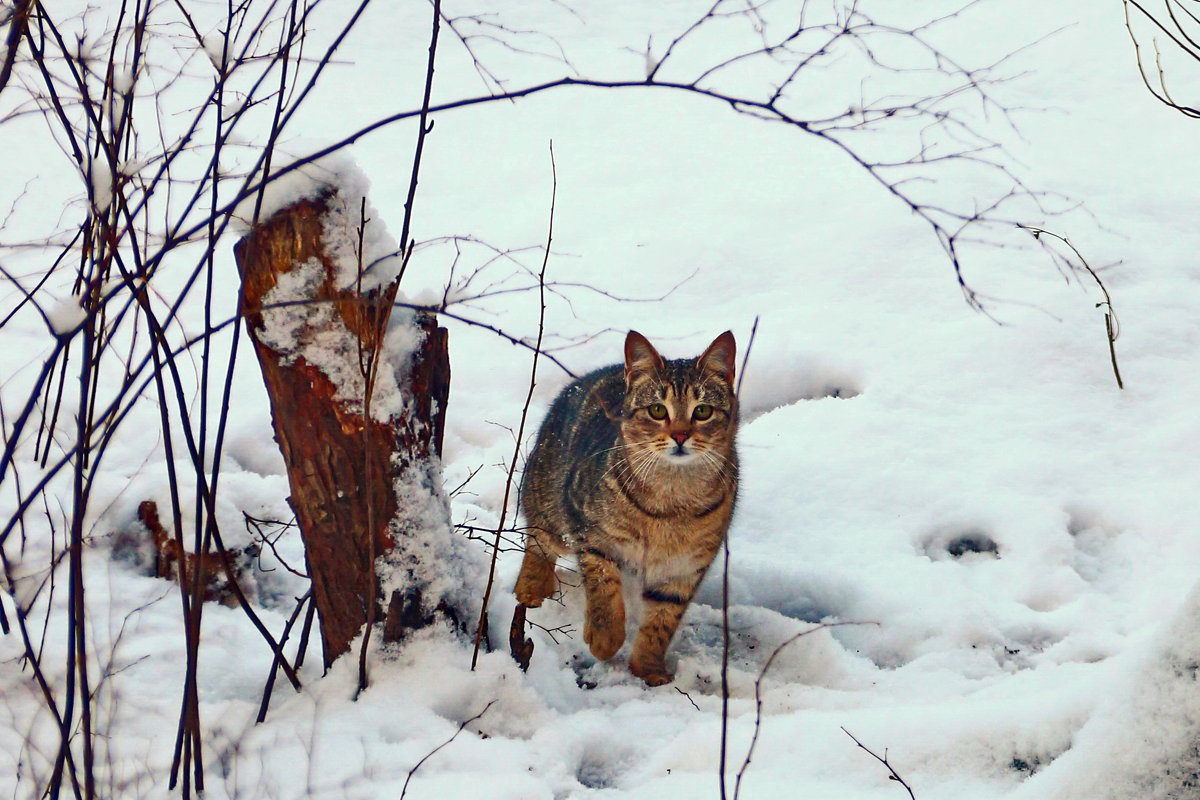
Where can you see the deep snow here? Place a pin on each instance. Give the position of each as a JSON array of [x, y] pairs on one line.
[[885, 425]]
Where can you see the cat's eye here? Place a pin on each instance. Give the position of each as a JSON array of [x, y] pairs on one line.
[[702, 412], [657, 411]]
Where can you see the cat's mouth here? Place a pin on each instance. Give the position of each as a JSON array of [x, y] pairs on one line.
[[679, 454]]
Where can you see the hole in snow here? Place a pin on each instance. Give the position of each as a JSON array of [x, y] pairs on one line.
[[960, 543], [602, 764], [1028, 764], [594, 773], [973, 542], [1081, 520], [1093, 536]]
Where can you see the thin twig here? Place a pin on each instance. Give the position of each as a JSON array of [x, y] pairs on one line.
[[1112, 327], [369, 356], [431, 753], [424, 127], [894, 776], [758, 682], [301, 602], [689, 698], [725, 599], [18, 19], [520, 437]]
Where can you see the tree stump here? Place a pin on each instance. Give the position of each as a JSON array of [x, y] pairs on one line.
[[342, 460]]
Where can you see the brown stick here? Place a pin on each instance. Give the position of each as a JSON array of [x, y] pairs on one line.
[[172, 562], [519, 646], [320, 437]]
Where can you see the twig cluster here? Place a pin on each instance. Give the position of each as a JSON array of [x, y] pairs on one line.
[[154, 194], [1178, 22]]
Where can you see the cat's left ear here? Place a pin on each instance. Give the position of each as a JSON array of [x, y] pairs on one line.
[[719, 358]]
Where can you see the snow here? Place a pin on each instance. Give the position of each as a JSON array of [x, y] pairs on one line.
[[123, 80], [299, 324], [213, 45], [66, 315], [338, 178], [1006, 534], [446, 567], [99, 179]]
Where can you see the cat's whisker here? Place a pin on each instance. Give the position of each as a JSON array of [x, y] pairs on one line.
[[620, 446], [727, 467], [637, 448], [644, 465], [721, 467], [639, 466]]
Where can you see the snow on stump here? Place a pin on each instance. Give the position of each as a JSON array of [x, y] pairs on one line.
[[358, 400]]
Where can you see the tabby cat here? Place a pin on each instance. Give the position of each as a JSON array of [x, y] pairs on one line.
[[634, 471]]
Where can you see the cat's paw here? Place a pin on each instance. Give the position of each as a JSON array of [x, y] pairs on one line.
[[534, 587], [654, 674], [604, 640]]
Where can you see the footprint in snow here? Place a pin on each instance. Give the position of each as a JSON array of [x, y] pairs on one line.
[[964, 543]]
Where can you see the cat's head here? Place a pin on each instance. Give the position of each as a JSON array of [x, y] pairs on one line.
[[680, 413]]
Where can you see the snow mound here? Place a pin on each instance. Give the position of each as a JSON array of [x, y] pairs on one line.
[[338, 178]]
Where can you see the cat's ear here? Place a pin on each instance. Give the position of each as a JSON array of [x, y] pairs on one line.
[[719, 358], [640, 357]]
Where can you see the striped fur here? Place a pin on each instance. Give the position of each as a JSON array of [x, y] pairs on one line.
[[634, 471]]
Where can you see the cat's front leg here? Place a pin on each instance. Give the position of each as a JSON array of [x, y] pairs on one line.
[[537, 579], [665, 600], [604, 619]]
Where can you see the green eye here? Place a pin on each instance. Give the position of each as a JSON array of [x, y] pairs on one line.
[[702, 412], [657, 411]]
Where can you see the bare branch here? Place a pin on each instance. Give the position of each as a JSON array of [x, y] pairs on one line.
[[431, 753], [520, 437], [1112, 327], [893, 776]]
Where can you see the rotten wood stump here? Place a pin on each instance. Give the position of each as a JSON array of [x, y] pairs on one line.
[[169, 560], [341, 465]]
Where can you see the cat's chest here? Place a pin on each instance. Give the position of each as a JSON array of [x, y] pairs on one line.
[[666, 545]]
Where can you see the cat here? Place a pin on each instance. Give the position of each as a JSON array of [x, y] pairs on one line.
[[634, 471]]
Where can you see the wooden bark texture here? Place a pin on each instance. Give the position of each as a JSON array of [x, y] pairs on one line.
[[341, 466]]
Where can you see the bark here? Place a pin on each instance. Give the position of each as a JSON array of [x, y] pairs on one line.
[[341, 465], [169, 560]]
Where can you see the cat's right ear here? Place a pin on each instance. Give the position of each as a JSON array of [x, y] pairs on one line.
[[641, 359]]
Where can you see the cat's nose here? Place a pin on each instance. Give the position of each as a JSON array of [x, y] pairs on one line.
[[679, 438]]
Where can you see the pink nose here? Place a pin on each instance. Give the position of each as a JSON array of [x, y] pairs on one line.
[[679, 437]]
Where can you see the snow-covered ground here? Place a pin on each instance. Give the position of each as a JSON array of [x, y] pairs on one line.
[[1011, 534]]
